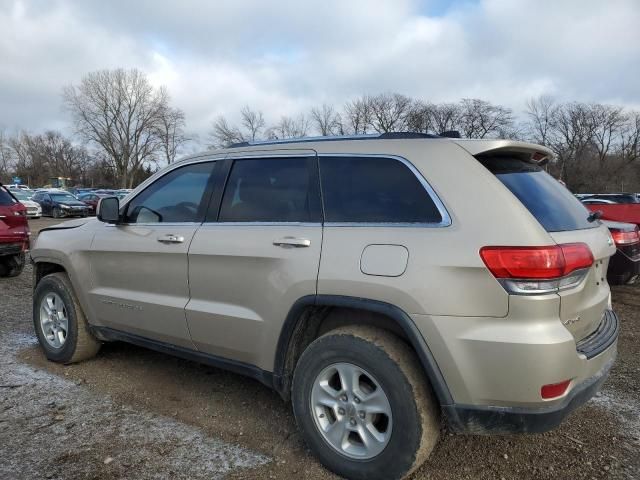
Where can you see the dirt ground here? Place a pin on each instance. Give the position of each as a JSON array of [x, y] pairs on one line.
[[134, 413]]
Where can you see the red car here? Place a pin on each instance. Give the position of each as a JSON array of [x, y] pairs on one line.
[[14, 234], [91, 199]]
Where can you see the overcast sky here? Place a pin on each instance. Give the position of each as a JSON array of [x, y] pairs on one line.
[[284, 57]]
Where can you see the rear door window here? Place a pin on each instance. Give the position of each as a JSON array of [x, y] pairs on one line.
[[374, 190], [548, 200], [6, 199], [271, 190]]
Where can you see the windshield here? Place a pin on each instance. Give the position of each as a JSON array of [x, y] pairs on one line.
[[20, 195], [63, 197], [548, 200]]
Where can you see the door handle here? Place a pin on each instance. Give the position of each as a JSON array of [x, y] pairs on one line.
[[171, 238], [292, 242]]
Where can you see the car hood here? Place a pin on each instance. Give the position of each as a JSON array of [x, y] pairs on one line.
[[73, 204], [29, 203]]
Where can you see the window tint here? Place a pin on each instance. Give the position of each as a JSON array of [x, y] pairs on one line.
[[548, 200], [268, 190], [5, 198], [374, 190], [175, 197]]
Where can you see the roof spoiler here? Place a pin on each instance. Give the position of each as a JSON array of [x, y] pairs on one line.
[[530, 151]]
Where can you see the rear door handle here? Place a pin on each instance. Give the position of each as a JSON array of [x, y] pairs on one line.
[[292, 242], [171, 238]]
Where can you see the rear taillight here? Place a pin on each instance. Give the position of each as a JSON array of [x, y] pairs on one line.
[[537, 270], [625, 238]]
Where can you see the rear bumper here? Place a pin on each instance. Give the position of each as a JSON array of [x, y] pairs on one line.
[[11, 248], [505, 420]]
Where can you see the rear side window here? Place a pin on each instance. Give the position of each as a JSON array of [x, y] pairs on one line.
[[374, 190], [269, 190], [6, 200], [548, 200]]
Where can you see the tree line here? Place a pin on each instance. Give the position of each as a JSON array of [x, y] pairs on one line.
[[596, 146], [124, 129]]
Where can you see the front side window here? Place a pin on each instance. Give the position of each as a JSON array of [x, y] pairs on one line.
[[374, 190], [268, 190], [176, 197]]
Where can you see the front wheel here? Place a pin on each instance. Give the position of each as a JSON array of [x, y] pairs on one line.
[[363, 405], [12, 265], [57, 213], [60, 324]]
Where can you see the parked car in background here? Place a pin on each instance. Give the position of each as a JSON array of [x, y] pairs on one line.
[[105, 191], [60, 203], [613, 197], [91, 199], [34, 210], [14, 234], [16, 186], [616, 212], [624, 266], [597, 201], [354, 277]]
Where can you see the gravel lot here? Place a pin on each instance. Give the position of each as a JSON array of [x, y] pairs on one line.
[[133, 413]]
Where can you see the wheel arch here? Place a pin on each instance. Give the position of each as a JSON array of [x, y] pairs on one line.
[[310, 317]]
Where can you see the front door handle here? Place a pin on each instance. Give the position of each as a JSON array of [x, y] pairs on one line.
[[292, 242], [171, 238]]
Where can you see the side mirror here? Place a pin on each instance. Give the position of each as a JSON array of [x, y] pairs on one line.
[[108, 210]]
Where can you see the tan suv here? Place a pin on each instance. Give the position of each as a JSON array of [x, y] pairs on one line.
[[384, 284]]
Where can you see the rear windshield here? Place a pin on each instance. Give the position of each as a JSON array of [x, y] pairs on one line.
[[548, 200], [6, 199]]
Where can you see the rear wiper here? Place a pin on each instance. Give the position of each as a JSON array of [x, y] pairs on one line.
[[593, 216]]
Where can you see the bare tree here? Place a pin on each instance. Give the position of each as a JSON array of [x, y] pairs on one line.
[[253, 122], [7, 156], [223, 134], [389, 112], [118, 111], [420, 117], [170, 125], [289, 127], [326, 120], [540, 112], [481, 119], [357, 114], [445, 117]]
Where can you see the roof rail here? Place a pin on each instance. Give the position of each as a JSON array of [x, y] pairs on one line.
[[372, 136]]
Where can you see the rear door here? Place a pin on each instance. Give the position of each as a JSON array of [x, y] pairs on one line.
[[257, 253], [567, 221]]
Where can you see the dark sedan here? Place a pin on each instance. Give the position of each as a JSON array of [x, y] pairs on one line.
[[58, 204]]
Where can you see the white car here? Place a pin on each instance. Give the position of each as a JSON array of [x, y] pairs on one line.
[[34, 210]]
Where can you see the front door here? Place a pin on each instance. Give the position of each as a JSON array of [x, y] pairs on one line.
[[139, 268], [252, 261]]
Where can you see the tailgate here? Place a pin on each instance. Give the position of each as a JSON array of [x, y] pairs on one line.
[[582, 307]]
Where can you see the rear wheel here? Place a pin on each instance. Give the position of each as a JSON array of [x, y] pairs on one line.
[[12, 265], [363, 405], [60, 324]]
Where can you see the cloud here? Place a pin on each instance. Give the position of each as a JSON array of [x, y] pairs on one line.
[[284, 57]]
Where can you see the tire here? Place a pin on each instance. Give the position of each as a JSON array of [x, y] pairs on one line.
[[12, 265], [79, 344], [56, 213], [381, 360]]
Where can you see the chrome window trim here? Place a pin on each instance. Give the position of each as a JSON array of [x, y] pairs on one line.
[[444, 214], [156, 224], [264, 224]]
